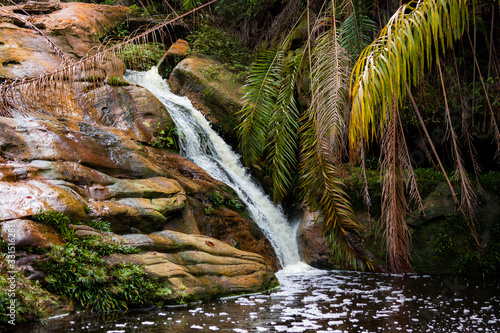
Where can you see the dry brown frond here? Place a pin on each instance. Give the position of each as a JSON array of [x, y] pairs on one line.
[[468, 202], [394, 163]]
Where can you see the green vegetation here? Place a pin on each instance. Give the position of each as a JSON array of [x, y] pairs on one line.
[[115, 81], [31, 301], [212, 41], [166, 138], [216, 199], [141, 57], [76, 270]]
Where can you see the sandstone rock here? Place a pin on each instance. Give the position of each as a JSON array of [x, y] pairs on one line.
[[219, 99], [74, 28], [131, 109], [177, 51], [198, 267], [26, 198], [27, 234]]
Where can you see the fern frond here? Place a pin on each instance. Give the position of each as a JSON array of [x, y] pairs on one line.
[[282, 146], [261, 93]]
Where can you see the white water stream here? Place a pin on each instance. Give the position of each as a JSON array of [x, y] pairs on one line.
[[202, 145]]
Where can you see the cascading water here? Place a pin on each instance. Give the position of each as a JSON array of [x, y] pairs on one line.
[[202, 145]]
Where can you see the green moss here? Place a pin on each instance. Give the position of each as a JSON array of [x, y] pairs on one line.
[[117, 81]]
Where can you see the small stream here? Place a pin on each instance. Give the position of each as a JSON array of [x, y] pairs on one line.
[[320, 301]]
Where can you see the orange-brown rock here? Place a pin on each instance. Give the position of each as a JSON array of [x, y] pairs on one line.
[[177, 51], [198, 267], [26, 234]]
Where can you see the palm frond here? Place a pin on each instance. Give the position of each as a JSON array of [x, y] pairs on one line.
[[323, 126], [397, 175], [261, 94], [412, 37], [282, 146], [357, 29], [468, 202]]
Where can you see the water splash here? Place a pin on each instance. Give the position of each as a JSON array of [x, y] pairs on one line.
[[202, 145]]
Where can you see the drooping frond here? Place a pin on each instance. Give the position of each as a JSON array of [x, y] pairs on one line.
[[357, 29], [413, 36], [397, 175], [261, 94], [468, 202], [67, 85], [322, 129], [282, 145]]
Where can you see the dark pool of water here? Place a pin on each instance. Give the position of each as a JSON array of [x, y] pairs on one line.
[[319, 301]]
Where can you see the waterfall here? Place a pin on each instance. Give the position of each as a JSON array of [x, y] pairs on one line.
[[203, 146]]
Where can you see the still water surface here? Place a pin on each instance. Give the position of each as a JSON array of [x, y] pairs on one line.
[[320, 301]]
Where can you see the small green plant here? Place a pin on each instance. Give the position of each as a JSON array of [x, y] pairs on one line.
[[234, 204], [166, 138], [209, 210], [212, 72], [216, 199], [117, 81]]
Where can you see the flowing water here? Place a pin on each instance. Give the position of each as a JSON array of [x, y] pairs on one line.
[[308, 300], [203, 146]]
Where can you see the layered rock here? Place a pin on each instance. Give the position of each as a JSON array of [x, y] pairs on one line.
[[91, 157], [196, 266]]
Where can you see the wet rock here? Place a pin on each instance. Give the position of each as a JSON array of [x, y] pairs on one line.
[[312, 246], [198, 267], [26, 198], [74, 27], [219, 98], [26, 234], [131, 109], [177, 51], [436, 206]]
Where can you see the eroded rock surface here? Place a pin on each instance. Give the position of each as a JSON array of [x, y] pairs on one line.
[[197, 266], [91, 155]]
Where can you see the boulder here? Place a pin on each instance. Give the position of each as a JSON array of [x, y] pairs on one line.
[[73, 27], [177, 51], [198, 267], [213, 90], [312, 247], [436, 205], [26, 234]]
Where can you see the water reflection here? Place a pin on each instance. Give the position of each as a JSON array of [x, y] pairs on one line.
[[321, 301]]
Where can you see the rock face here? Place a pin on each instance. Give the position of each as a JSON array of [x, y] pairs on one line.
[[311, 243], [93, 158], [212, 89], [196, 266], [73, 27]]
